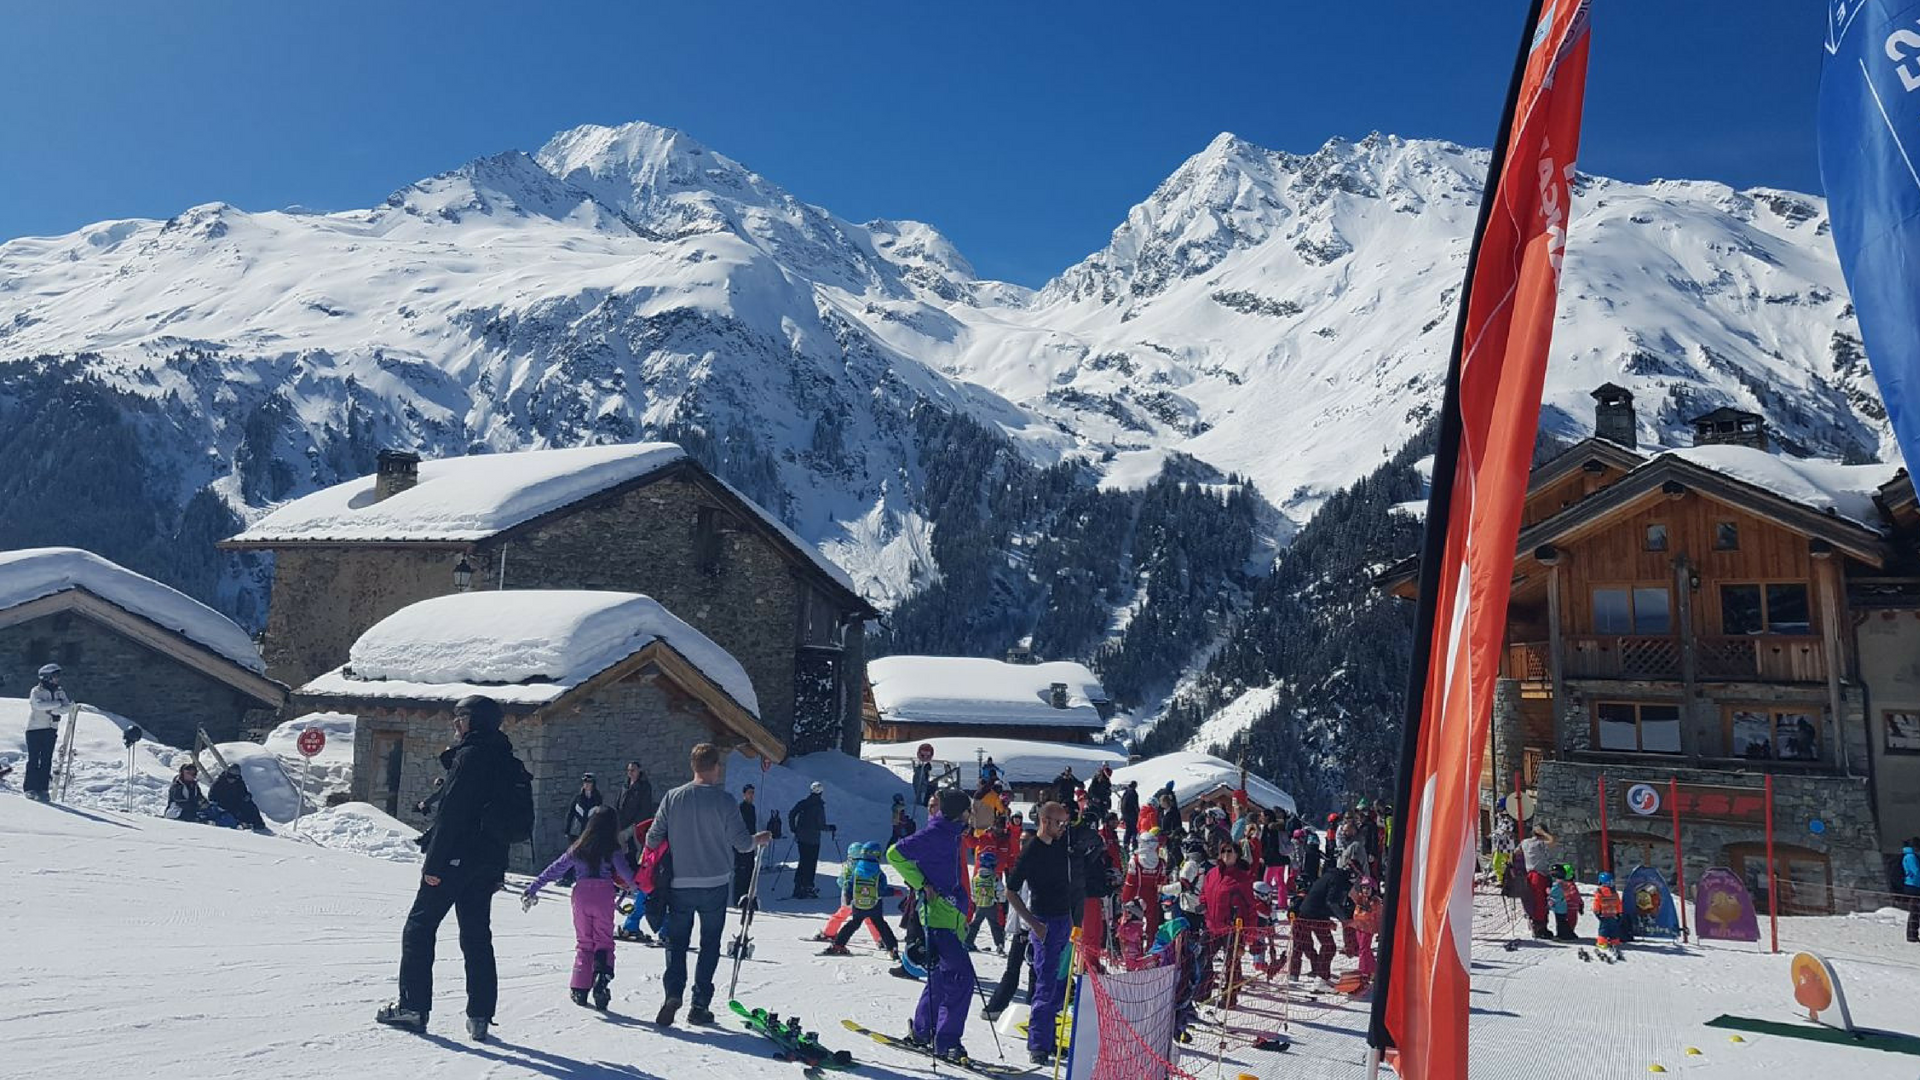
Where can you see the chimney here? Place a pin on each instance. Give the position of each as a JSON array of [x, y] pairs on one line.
[[1613, 418], [1057, 693], [1730, 427], [398, 471]]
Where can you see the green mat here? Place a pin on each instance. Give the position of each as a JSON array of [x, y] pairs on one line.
[[1871, 1040]]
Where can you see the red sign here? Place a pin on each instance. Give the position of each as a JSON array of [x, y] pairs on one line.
[[925, 753], [1711, 802], [311, 742]]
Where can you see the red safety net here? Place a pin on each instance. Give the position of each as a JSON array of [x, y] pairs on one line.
[[1136, 1022]]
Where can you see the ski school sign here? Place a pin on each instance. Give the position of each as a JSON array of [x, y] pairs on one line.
[[1697, 802]]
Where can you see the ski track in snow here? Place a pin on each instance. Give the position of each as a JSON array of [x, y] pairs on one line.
[[140, 946]]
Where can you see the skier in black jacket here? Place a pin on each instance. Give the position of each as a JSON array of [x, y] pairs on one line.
[[1130, 813], [636, 806], [464, 867], [808, 819], [583, 804]]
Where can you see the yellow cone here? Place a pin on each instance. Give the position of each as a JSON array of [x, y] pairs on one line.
[[1735, 1038], [1656, 1068], [1693, 1051]]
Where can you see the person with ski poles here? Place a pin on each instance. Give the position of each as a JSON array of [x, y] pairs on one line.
[[929, 862], [599, 869], [1046, 870], [46, 704], [701, 825], [807, 820]]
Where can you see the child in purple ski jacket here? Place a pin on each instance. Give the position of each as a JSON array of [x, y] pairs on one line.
[[600, 870]]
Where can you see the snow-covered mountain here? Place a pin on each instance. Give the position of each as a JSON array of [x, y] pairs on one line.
[[1281, 317]]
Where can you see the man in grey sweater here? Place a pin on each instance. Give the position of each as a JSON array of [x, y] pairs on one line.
[[702, 828]]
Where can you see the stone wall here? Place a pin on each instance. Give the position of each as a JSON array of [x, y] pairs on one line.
[[643, 717], [111, 671], [747, 599], [1569, 808], [324, 598]]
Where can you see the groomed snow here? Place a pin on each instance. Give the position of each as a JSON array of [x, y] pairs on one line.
[[1233, 718], [1824, 485], [973, 690], [1195, 775], [31, 573], [466, 498], [526, 646], [1021, 761]]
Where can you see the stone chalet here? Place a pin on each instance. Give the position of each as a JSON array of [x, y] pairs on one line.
[[1714, 615], [922, 697], [642, 518], [131, 646], [588, 680]]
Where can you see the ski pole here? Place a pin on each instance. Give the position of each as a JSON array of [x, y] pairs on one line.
[[746, 921]]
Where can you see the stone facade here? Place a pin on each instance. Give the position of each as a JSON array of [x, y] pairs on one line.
[[108, 670], [1570, 809], [667, 538], [643, 717]]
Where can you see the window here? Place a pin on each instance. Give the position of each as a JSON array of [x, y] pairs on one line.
[[1765, 609], [1726, 536], [1637, 727], [1903, 731], [1769, 734], [1656, 537], [1635, 609]]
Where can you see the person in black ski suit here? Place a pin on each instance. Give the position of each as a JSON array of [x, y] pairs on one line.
[[743, 860], [464, 867], [583, 805], [1100, 792], [229, 793], [1064, 787], [1130, 813], [185, 802], [636, 806], [808, 819]]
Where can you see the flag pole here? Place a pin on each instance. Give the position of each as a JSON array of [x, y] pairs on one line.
[[1432, 549]]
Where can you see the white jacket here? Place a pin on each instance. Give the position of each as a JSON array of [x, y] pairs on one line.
[[45, 708]]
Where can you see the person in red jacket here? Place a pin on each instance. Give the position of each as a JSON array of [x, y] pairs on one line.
[[1146, 873], [1227, 897]]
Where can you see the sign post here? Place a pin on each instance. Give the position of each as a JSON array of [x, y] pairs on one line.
[[1679, 867], [1606, 846], [1773, 885], [310, 743]]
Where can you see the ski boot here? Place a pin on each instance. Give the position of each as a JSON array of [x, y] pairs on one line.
[[602, 975], [477, 1027], [396, 1015], [579, 996], [836, 950], [918, 1041], [700, 1014]]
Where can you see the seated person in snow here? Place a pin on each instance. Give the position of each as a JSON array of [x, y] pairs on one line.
[[184, 799], [230, 794]]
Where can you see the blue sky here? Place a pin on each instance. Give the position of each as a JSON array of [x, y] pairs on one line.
[[1024, 131]]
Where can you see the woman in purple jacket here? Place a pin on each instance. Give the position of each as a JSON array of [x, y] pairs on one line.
[[599, 868]]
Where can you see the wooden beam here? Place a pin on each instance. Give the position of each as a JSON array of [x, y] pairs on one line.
[[1689, 648], [1556, 659], [1826, 573]]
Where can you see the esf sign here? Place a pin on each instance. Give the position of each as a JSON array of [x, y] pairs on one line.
[[1697, 802]]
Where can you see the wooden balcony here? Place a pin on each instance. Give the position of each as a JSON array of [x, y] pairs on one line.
[[1756, 658]]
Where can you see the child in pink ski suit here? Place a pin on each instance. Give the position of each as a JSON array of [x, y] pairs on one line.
[[600, 870]]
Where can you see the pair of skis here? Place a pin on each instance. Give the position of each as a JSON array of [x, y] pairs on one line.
[[795, 1043], [992, 1069], [741, 947]]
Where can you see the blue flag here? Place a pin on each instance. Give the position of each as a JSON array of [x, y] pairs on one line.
[[1870, 166]]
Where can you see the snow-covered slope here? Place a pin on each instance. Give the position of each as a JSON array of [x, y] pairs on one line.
[[1280, 316]]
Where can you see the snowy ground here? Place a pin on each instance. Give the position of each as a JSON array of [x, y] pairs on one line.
[[141, 946]]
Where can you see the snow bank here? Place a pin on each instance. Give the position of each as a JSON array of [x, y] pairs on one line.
[[1021, 761], [361, 827], [859, 794], [520, 645], [1195, 775], [468, 498], [973, 690], [332, 768], [32, 573], [1827, 486]]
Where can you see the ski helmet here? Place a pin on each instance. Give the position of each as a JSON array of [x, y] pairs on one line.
[[816, 787], [48, 671], [1605, 878], [988, 860]]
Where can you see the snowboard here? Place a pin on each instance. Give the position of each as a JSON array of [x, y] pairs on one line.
[[795, 1044], [994, 1069]]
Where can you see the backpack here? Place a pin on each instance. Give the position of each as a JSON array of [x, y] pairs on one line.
[[866, 885], [986, 888], [508, 815], [655, 871]]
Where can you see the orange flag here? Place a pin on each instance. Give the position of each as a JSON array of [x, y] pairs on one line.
[[1494, 395]]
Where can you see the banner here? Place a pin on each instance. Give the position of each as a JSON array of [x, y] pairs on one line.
[[1870, 167], [1723, 909], [1473, 517]]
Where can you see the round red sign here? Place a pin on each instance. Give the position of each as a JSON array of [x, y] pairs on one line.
[[311, 742], [925, 753]]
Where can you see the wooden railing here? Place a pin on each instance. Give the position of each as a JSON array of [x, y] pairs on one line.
[[1756, 658], [1763, 658], [1623, 656]]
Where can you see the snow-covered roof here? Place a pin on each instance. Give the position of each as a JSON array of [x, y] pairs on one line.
[[1823, 485], [1196, 775], [519, 646], [32, 573], [972, 690], [471, 498], [1021, 761], [463, 498]]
